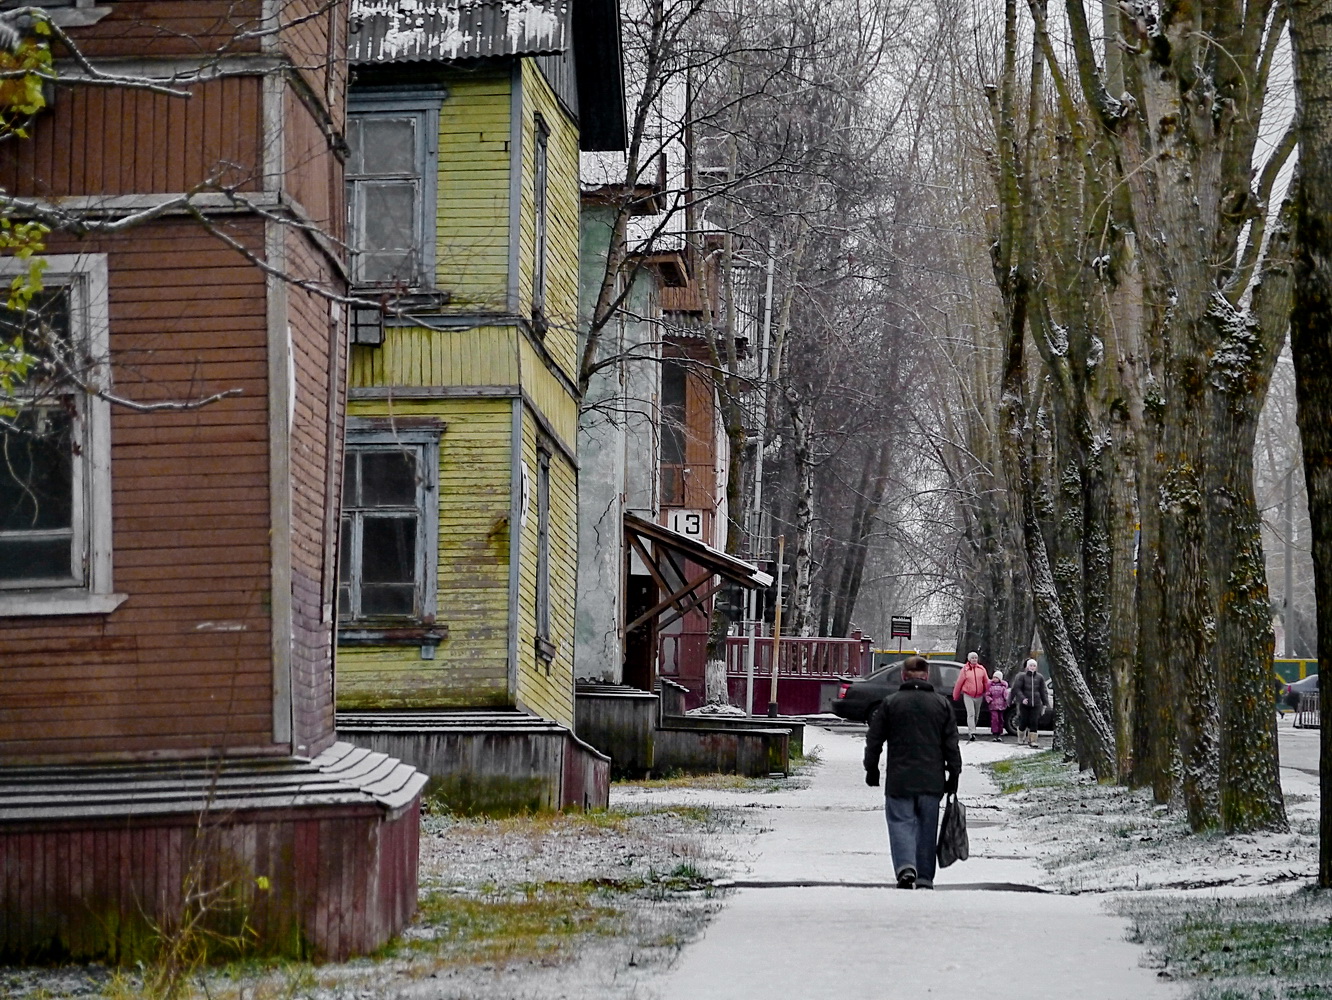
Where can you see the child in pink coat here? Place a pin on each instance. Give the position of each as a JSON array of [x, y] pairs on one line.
[[996, 699]]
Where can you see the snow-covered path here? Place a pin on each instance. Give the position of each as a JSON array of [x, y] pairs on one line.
[[849, 939]]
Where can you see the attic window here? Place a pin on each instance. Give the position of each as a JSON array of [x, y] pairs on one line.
[[391, 180]]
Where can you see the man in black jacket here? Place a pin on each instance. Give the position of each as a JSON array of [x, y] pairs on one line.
[[916, 723]]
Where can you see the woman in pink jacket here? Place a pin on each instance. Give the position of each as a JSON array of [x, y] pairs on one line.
[[972, 683]]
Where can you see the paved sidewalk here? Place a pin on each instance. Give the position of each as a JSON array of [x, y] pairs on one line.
[[791, 939]]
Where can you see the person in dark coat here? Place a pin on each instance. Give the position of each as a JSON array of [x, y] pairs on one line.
[[1030, 696], [916, 724]]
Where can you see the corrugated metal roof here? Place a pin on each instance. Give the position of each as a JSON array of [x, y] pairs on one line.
[[428, 30]]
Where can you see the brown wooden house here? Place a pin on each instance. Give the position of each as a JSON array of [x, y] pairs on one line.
[[167, 564]]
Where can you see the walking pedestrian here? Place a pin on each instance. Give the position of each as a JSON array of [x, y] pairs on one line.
[[996, 699], [1031, 696], [916, 725], [972, 683]]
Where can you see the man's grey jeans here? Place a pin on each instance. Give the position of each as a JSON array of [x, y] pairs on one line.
[[913, 832]]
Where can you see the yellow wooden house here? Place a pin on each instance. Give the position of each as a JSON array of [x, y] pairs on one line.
[[459, 503]]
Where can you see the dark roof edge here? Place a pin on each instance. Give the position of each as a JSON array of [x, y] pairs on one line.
[[600, 67]]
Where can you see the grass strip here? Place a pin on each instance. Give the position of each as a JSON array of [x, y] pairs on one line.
[[1043, 769], [1245, 948]]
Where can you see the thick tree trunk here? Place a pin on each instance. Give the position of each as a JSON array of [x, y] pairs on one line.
[[1188, 596], [1311, 341], [997, 619], [1156, 738], [1250, 779]]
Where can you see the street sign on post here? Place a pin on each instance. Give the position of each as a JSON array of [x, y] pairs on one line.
[[900, 628]]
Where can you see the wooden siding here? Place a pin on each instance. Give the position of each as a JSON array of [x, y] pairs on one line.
[[313, 178], [114, 141], [470, 668], [702, 440], [198, 28], [472, 228], [550, 394], [184, 664], [315, 40], [562, 227], [316, 484], [414, 356], [548, 691]]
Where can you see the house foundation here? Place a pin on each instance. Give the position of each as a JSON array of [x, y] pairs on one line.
[[301, 858]]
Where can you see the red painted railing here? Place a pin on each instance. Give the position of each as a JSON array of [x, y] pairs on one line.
[[802, 657]]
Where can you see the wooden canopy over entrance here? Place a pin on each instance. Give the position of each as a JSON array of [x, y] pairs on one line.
[[665, 554]]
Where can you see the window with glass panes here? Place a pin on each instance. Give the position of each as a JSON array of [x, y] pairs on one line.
[[540, 193], [390, 177], [381, 533], [42, 541], [543, 549], [386, 557]]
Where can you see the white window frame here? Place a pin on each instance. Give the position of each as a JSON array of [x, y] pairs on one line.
[[86, 277], [425, 110], [424, 443]]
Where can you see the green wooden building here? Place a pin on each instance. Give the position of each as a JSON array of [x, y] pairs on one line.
[[459, 507]]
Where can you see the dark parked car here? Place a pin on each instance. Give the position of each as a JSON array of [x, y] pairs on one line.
[[858, 697], [1290, 694]]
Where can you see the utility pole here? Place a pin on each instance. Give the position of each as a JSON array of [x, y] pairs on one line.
[[777, 629], [1286, 603], [756, 509]]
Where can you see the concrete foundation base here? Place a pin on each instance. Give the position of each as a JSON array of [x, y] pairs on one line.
[[491, 762], [278, 856]]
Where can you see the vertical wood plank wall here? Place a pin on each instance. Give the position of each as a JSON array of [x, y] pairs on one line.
[[470, 668], [472, 234], [318, 351], [112, 141], [341, 882], [184, 664], [471, 664], [562, 228]]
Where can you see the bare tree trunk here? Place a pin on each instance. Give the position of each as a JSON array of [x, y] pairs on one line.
[[1093, 734], [1123, 615], [1155, 740], [1311, 342], [1014, 266], [802, 595]]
